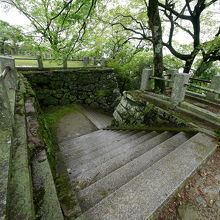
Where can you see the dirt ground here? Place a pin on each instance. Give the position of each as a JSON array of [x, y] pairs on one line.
[[200, 199]]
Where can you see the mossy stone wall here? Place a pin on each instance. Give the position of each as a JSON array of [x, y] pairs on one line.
[[95, 87], [135, 111]]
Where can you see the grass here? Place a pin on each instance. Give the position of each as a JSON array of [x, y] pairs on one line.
[[29, 63], [218, 137], [46, 63], [53, 114]]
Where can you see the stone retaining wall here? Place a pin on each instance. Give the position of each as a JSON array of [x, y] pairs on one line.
[[95, 87], [134, 111]]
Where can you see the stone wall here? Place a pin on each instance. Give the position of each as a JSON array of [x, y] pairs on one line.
[[95, 87], [135, 111]]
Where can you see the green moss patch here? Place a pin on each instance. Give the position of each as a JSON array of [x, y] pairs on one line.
[[143, 127], [53, 114], [218, 137]]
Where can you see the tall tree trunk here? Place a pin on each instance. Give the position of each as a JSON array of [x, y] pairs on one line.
[[188, 65], [156, 30]]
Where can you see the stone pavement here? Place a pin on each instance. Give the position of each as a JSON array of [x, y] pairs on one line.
[[80, 122]]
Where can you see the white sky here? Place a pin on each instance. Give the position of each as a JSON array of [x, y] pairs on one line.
[[13, 17]]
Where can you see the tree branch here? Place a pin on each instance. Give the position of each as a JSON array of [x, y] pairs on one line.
[[179, 15], [188, 7], [184, 29]]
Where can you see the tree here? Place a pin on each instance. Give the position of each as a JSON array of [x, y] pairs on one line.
[[10, 38], [210, 53], [191, 12], [156, 30], [145, 28], [59, 24]]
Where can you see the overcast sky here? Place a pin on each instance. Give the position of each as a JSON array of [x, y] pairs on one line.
[[13, 17]]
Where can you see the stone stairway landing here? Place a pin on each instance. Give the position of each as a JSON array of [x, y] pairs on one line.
[[81, 121]]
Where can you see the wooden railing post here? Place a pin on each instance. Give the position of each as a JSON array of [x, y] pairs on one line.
[[40, 62]]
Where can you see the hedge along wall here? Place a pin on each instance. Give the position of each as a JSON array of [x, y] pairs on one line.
[[95, 87]]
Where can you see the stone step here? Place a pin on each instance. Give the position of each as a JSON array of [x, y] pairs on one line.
[[77, 169], [99, 119], [85, 137], [76, 144], [118, 159], [99, 150], [20, 203], [107, 139], [102, 188], [44, 187], [146, 193]]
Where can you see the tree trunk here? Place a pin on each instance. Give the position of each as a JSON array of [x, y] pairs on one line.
[[188, 65], [156, 30]]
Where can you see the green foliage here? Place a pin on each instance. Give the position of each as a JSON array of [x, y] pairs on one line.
[[10, 37], [206, 70], [171, 62], [101, 93], [218, 137], [212, 45], [129, 66], [58, 25]]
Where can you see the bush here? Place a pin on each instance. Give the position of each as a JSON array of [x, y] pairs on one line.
[[128, 68]]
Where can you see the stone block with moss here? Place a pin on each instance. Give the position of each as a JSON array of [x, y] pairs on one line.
[[96, 87]]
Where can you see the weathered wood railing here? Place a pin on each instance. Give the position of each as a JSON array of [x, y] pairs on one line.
[[179, 82], [86, 61]]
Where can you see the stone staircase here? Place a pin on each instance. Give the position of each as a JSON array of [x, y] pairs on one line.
[[130, 174], [116, 175]]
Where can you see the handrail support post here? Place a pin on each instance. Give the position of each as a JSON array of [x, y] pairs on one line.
[[145, 79], [215, 85], [40, 62], [179, 87]]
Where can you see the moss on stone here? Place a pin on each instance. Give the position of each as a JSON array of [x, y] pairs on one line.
[[43, 129], [68, 200], [218, 137], [84, 86], [38, 201], [143, 127], [54, 113]]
